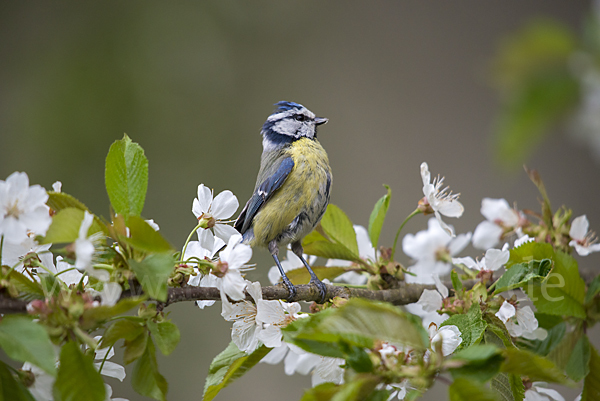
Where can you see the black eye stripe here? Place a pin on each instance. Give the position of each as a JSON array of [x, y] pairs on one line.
[[299, 117]]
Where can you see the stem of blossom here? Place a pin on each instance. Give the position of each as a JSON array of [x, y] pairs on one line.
[[85, 338], [466, 270], [410, 216], [104, 359], [1, 247], [188, 240]]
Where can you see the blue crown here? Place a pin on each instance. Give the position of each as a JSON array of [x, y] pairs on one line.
[[285, 106]]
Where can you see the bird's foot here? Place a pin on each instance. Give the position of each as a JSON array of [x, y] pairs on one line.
[[291, 289], [321, 287]]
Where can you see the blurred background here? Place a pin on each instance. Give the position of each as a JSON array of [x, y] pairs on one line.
[[401, 82]]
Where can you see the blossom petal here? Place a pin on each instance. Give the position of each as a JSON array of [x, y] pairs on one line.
[[233, 284], [450, 337], [270, 336], [451, 208], [225, 231], [440, 286], [496, 258], [487, 235], [204, 200], [499, 210], [224, 205], [446, 227], [507, 311], [276, 355], [111, 369], [579, 228], [430, 300], [458, 243], [270, 312], [425, 175]]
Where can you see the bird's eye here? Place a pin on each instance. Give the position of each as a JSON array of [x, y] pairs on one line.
[[300, 117]]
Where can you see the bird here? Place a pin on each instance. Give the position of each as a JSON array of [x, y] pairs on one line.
[[292, 188]]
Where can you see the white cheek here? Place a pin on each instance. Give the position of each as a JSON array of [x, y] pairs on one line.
[[286, 127]]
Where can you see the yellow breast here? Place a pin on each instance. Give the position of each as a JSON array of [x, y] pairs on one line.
[[303, 191]]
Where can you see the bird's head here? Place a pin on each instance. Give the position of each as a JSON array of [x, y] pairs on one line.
[[291, 120]]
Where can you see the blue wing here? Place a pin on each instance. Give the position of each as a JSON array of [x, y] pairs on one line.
[[262, 194]]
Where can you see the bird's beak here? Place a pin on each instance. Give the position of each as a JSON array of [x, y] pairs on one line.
[[321, 120]]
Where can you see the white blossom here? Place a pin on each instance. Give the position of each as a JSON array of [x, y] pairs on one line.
[[274, 315], [432, 300], [85, 248], [493, 260], [57, 186], [109, 369], [540, 392], [41, 388], [432, 250], [520, 322], [500, 217], [449, 336], [582, 239], [222, 207], [152, 224], [442, 201], [110, 294], [296, 360], [233, 259], [13, 254], [246, 325], [23, 209], [68, 273]]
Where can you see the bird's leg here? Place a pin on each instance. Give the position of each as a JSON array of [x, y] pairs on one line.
[[274, 249], [297, 249]]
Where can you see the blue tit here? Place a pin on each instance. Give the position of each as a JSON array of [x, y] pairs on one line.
[[292, 188]]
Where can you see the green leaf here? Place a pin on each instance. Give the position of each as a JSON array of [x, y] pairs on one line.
[[145, 378], [357, 358], [153, 272], [93, 317], [471, 326], [77, 377], [329, 250], [537, 368], [11, 389], [126, 177], [530, 251], [593, 289], [58, 201], [465, 390], [124, 329], [378, 216], [29, 290], [561, 353], [26, 341], [554, 337], [520, 274], [339, 228], [65, 226], [51, 286], [301, 275], [563, 290], [359, 322], [144, 238], [228, 366], [578, 364], [135, 348], [591, 385], [508, 387], [166, 335], [479, 362], [456, 282]]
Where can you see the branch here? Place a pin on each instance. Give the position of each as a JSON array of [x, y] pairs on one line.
[[405, 294]]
